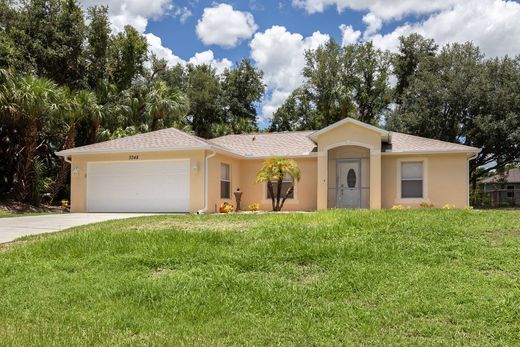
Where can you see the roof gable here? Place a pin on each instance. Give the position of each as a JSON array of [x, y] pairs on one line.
[[315, 134]]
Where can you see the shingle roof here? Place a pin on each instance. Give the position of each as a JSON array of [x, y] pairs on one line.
[[297, 143], [512, 176], [165, 139], [409, 143], [268, 144]]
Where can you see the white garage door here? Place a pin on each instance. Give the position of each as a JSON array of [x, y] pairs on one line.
[[138, 186]]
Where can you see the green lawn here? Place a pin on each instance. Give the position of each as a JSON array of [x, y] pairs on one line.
[[396, 277], [5, 213]]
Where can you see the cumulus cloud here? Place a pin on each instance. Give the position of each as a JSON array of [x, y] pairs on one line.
[[349, 36], [155, 46], [133, 12], [385, 9], [280, 55], [207, 57], [373, 22], [491, 24], [223, 26]]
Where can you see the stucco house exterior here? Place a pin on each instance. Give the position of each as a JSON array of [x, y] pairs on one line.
[[348, 164], [502, 189]]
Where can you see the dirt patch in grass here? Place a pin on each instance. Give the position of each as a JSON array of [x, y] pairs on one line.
[[193, 225]]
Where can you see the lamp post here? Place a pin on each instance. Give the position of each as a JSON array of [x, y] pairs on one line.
[[238, 197]]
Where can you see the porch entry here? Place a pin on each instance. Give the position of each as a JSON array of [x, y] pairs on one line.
[[348, 177], [348, 185]]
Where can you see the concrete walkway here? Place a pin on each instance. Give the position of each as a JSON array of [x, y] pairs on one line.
[[12, 228]]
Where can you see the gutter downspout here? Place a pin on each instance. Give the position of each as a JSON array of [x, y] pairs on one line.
[[206, 183], [66, 158]]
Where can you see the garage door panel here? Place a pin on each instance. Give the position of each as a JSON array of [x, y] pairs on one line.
[[144, 186]]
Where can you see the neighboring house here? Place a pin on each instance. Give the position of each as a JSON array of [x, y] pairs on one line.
[[503, 189], [348, 164]]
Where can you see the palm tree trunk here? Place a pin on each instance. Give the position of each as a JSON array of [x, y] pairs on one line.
[[25, 172], [61, 178], [94, 130], [154, 123], [279, 193], [270, 188], [286, 195]]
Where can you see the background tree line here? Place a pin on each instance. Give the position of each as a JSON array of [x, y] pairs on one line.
[[451, 93], [67, 80]]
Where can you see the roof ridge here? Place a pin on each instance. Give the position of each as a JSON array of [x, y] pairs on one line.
[[266, 133], [200, 139]]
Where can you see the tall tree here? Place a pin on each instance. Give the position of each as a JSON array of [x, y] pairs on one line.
[[441, 95], [322, 70], [242, 89], [75, 107], [414, 51], [164, 103], [98, 35], [296, 113], [205, 94], [128, 52], [365, 75], [30, 102]]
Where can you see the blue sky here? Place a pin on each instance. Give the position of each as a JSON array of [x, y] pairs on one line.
[[275, 34]]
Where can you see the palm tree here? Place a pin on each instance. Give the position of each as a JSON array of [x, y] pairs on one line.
[[76, 107], [162, 102], [275, 170], [31, 102]]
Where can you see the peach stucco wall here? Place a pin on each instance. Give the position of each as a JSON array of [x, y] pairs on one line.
[[243, 174], [445, 180], [78, 189]]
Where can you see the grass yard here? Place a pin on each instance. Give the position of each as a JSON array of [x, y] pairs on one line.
[[5, 214], [396, 277]]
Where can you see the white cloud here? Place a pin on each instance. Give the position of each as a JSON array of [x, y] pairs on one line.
[[222, 25], [385, 9], [349, 35], [373, 22], [133, 12], [280, 55], [207, 57], [490, 24], [156, 47], [183, 13]]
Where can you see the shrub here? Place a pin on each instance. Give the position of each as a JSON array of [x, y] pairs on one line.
[[426, 204], [254, 207], [398, 207], [448, 206], [226, 207]]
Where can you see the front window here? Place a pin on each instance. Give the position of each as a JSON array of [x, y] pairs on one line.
[[510, 191], [225, 181], [412, 180], [286, 184]]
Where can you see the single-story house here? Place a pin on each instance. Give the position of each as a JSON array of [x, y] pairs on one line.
[[503, 188], [348, 164]]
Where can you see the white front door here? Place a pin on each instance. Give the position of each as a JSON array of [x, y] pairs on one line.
[[348, 188], [139, 186]]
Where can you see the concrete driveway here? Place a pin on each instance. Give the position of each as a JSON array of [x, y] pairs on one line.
[[14, 227]]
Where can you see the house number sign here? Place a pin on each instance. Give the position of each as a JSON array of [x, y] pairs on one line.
[[133, 157]]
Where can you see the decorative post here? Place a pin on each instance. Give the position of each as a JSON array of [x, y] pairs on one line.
[[238, 197]]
